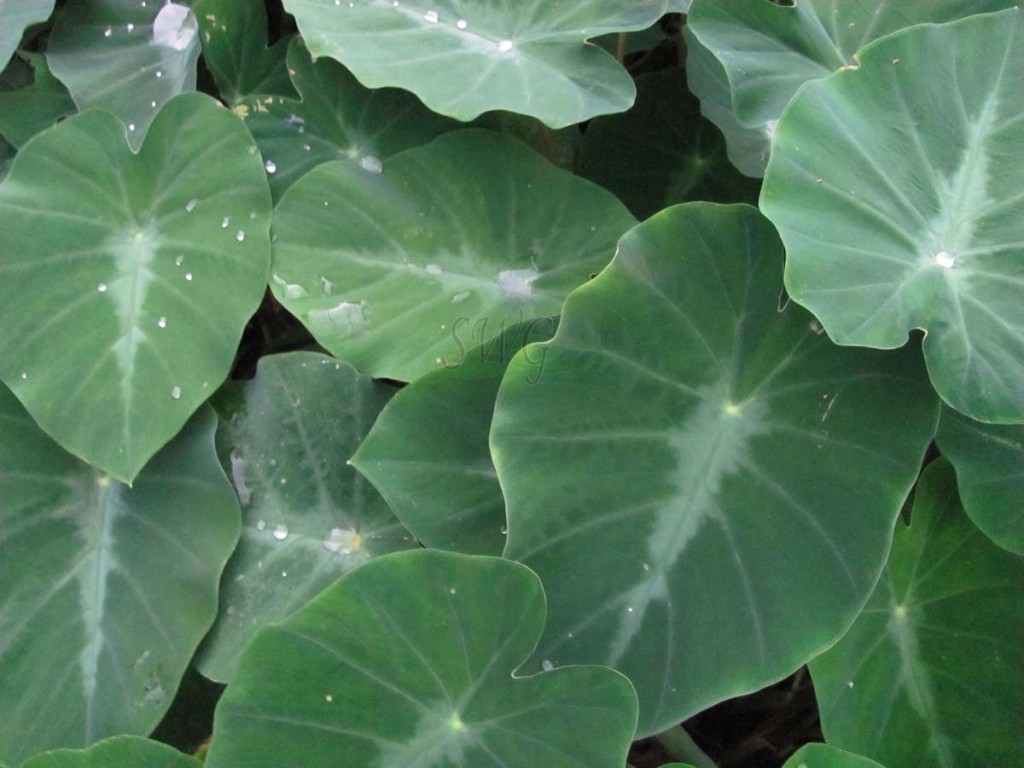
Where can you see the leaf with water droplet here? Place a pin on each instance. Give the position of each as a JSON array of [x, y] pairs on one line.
[[26, 111], [116, 752], [126, 347]]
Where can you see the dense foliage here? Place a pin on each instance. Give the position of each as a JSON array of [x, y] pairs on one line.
[[526, 385]]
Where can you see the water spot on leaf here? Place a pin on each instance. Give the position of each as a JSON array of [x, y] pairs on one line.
[[346, 319], [101, 287], [371, 164], [517, 283], [191, 205], [547, 665], [175, 26], [431, 17], [271, 166], [176, 393], [945, 259], [240, 235], [280, 532], [505, 46], [291, 290]]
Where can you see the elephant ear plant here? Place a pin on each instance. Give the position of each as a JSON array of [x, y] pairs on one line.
[[444, 384]]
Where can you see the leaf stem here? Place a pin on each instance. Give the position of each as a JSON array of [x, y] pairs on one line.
[[681, 746]]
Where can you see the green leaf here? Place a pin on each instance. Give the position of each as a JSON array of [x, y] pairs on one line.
[[380, 266], [337, 119], [105, 590], [932, 671], [116, 752], [127, 279], [687, 476], [428, 454], [897, 189], [989, 463], [125, 57], [826, 756], [661, 152], [26, 111], [529, 57], [307, 517], [408, 662], [19, 15], [234, 40], [768, 50]]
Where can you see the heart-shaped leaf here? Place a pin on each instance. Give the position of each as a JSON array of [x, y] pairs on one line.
[[661, 152], [234, 40], [105, 590], [768, 50], [381, 265], [18, 15], [686, 437], [307, 517], [408, 662], [932, 671], [989, 463], [116, 752], [523, 57], [899, 195], [125, 57], [337, 118], [26, 111], [428, 454], [135, 274]]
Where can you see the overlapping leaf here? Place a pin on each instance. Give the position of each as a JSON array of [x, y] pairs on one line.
[[685, 439], [116, 752], [18, 15], [898, 189], [127, 279], [27, 110], [768, 50], [234, 41], [529, 57], [307, 517], [105, 590], [989, 463], [336, 118], [408, 662], [381, 266], [932, 671], [427, 452], [827, 756], [125, 56]]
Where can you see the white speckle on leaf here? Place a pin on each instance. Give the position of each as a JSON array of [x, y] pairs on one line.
[[238, 478], [102, 287], [371, 164], [517, 283], [175, 26], [342, 541], [346, 319], [176, 393], [431, 17], [945, 259], [433, 269], [505, 46], [280, 532], [191, 205], [461, 23], [161, 322], [291, 290], [547, 665], [240, 235]]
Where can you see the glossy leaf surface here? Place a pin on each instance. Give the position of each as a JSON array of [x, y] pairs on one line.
[[381, 264], [702, 436], [428, 451], [530, 57], [125, 57], [932, 671], [353, 678], [26, 111], [989, 463], [136, 273], [827, 756], [308, 518], [898, 189], [108, 589], [18, 15], [116, 752]]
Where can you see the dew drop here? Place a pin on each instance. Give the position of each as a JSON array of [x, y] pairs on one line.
[[108, 32], [460, 297], [271, 166], [371, 164], [261, 525], [159, 73], [191, 205], [945, 259], [547, 665], [178, 260], [433, 269], [224, 222], [431, 17], [240, 235], [328, 698], [162, 322], [152, 104], [101, 287], [461, 24], [188, 276], [850, 684], [130, 27], [24, 375], [280, 532], [176, 393], [131, 126], [505, 46]]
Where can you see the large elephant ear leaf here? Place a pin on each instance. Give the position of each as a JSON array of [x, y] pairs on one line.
[[382, 262], [408, 662], [106, 588], [684, 439], [116, 752], [519, 57], [989, 463], [125, 56], [939, 641], [827, 756], [898, 189], [137, 272]]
